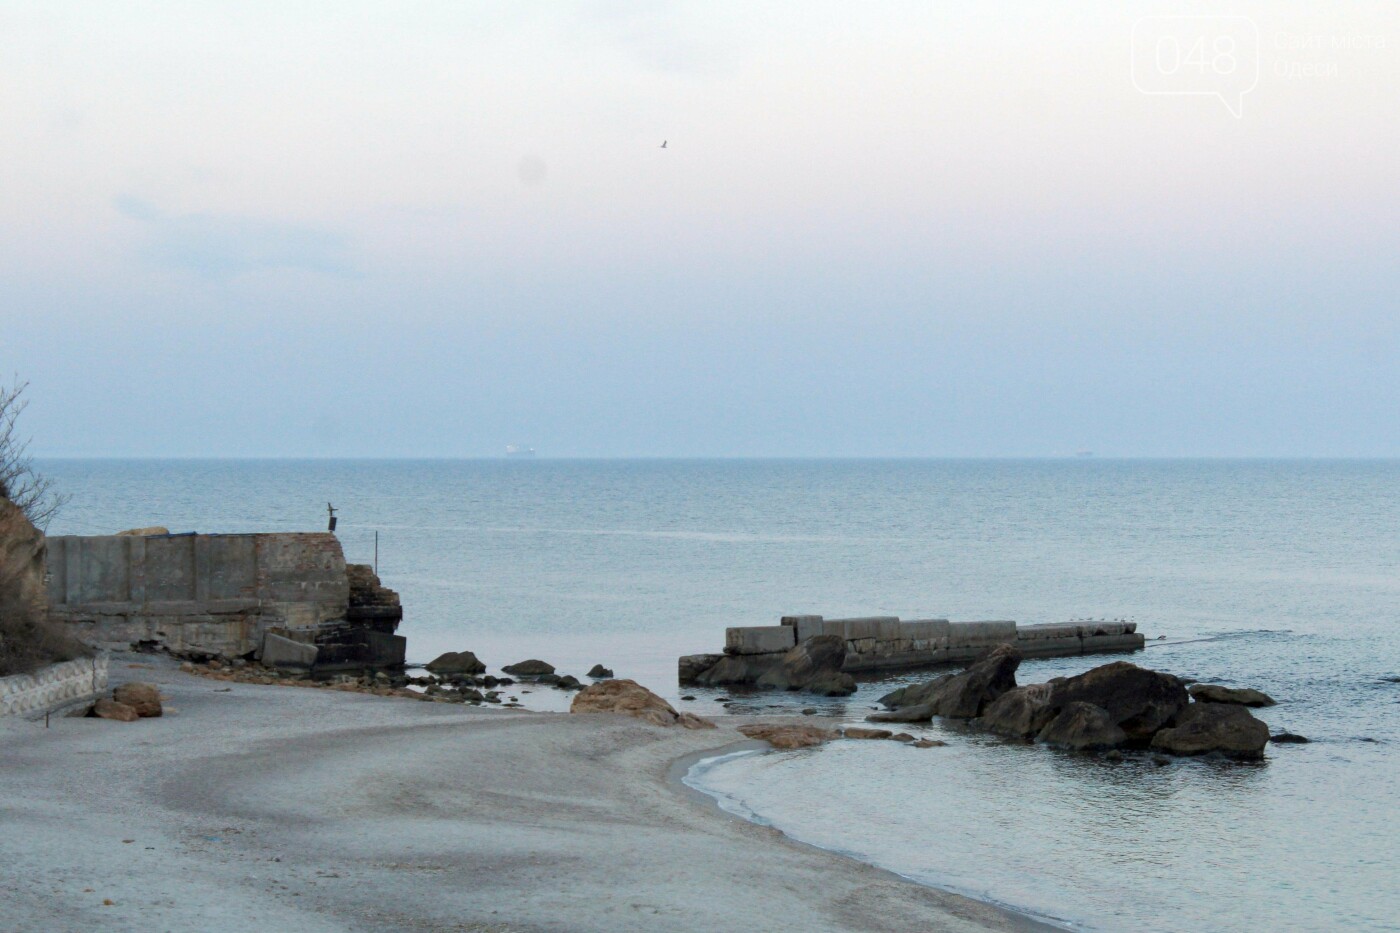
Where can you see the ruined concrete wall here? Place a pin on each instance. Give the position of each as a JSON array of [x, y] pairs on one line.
[[215, 593], [877, 643], [53, 688]]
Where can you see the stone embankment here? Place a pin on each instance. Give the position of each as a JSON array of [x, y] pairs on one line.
[[887, 643], [1118, 705]]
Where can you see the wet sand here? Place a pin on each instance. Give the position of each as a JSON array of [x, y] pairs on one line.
[[258, 808]]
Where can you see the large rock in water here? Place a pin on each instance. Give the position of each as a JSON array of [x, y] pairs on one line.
[[1138, 700], [456, 662], [691, 666], [1243, 696], [1019, 713], [531, 668], [1083, 725], [963, 696], [913, 694], [632, 699], [1203, 728], [782, 735], [814, 663], [738, 669]]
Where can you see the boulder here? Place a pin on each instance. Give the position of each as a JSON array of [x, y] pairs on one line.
[[738, 669], [1019, 713], [1289, 738], [964, 695], [928, 743], [832, 684], [804, 663], [111, 709], [1138, 700], [531, 668], [599, 672], [788, 736], [1243, 696], [568, 682], [913, 694], [691, 666], [857, 732], [456, 662], [144, 698], [1081, 725], [629, 698], [1202, 728]]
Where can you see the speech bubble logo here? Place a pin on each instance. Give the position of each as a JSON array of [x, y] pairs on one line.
[[1211, 56]]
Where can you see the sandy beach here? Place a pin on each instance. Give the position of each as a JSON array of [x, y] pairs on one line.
[[251, 807]]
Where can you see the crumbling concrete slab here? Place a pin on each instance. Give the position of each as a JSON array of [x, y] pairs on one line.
[[759, 639], [286, 653]]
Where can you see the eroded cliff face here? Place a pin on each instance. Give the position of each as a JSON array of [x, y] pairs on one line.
[[21, 562]]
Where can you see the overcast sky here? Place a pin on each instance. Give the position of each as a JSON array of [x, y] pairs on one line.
[[878, 229]]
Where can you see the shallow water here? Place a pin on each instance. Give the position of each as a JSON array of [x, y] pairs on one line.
[[1279, 575]]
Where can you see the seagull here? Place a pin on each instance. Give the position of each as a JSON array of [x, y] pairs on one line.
[[663, 143]]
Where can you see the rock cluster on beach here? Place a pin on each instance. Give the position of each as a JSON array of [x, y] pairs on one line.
[[128, 703], [1112, 706]]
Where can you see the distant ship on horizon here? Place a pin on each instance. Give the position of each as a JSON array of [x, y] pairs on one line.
[[515, 450]]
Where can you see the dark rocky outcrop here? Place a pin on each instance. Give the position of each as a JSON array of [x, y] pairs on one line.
[[1019, 713], [456, 662], [737, 669], [1203, 728], [1083, 726], [691, 666], [1138, 700], [816, 665], [1243, 696], [531, 668], [913, 694], [964, 695], [1289, 738], [599, 672]]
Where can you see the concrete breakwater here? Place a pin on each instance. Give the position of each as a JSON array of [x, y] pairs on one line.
[[879, 643]]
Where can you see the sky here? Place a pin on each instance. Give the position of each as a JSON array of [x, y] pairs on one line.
[[433, 229]]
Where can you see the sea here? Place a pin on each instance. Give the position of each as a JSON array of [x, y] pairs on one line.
[[1283, 575]]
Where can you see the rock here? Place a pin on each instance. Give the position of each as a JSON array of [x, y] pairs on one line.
[[468, 694], [111, 709], [144, 698], [143, 532], [1113, 755], [964, 695], [690, 667], [1139, 701], [531, 668], [1244, 696], [901, 737], [804, 663], [832, 684], [1081, 725], [569, 682], [1289, 738], [858, 732], [688, 698], [913, 694], [809, 711], [599, 672], [788, 736], [1203, 728], [738, 669], [630, 698], [929, 743], [1020, 713], [456, 662], [549, 679]]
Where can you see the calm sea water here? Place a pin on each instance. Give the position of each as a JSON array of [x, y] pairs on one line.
[[1279, 575]]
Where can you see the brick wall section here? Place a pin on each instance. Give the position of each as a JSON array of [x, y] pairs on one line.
[[215, 593]]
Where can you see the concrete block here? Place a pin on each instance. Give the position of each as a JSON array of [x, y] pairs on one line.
[[285, 653], [889, 630], [924, 629], [1047, 631], [865, 627], [759, 639], [980, 634], [834, 627], [805, 626], [1122, 642], [1090, 629]]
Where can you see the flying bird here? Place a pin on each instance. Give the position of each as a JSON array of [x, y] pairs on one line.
[[664, 142]]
